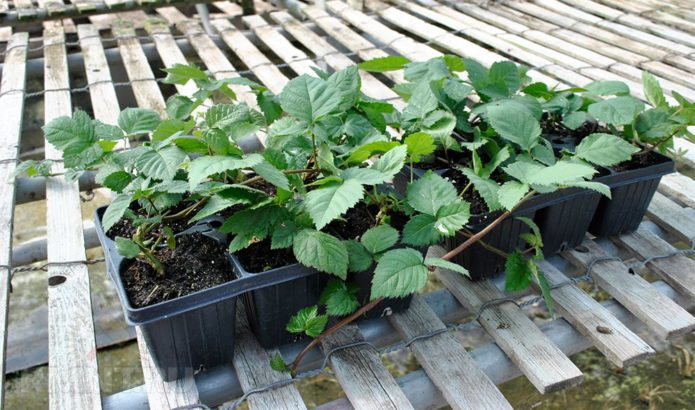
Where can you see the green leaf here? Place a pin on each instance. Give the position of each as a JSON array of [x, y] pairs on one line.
[[283, 235], [107, 131], [203, 167], [391, 163], [384, 64], [359, 258], [181, 74], [510, 193], [561, 172], [225, 199], [518, 275], [420, 230], [399, 273], [180, 107], [278, 364], [127, 248], [115, 211], [169, 127], [255, 221], [332, 200], [73, 134], [364, 152], [307, 321], [514, 125], [321, 251], [117, 181], [616, 111], [607, 88], [161, 164], [422, 102], [507, 73], [523, 171], [604, 149], [574, 120], [430, 192], [439, 123], [595, 186], [348, 83], [487, 188], [138, 120], [272, 175], [452, 217], [309, 98], [419, 144], [653, 91], [339, 299], [267, 102], [379, 238], [443, 263], [545, 290]]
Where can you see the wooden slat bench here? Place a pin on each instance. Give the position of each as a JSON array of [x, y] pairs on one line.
[[566, 48]]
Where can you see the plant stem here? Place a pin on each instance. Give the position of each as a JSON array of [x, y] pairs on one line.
[[359, 312], [475, 238], [286, 172]]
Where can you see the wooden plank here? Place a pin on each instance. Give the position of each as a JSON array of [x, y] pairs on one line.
[[145, 88], [679, 187], [256, 61], [354, 42], [465, 48], [252, 366], [365, 380], [298, 61], [320, 47], [402, 44], [73, 376], [546, 367], [447, 362], [101, 91], [672, 217], [676, 270], [163, 395], [170, 53], [660, 313], [619, 344], [12, 103]]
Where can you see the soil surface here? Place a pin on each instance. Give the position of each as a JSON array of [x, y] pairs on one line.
[[197, 263], [460, 181], [260, 258], [124, 228], [551, 127], [642, 159]]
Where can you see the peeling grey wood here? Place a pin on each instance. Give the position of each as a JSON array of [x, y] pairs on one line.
[[73, 376], [672, 217], [365, 380], [677, 270], [446, 361], [12, 103], [252, 365], [546, 367], [622, 347], [660, 313]]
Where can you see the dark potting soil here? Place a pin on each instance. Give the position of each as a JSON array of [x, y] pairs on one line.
[[260, 258], [642, 159], [556, 128], [124, 228], [197, 263], [441, 159], [355, 222], [460, 181]]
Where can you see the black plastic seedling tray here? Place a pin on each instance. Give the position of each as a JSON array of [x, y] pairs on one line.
[[631, 193]]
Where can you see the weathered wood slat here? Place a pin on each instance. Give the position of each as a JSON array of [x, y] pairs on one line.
[[252, 366], [73, 376], [660, 313], [256, 61], [144, 85], [298, 61], [365, 49], [677, 270], [12, 103], [320, 47], [671, 217], [546, 367], [446, 361], [280, 45], [367, 383], [170, 53], [618, 343], [679, 187]]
